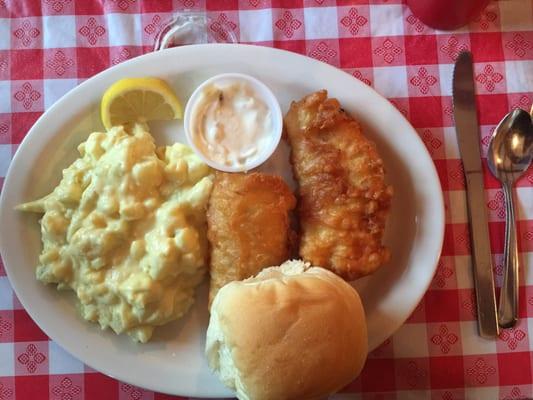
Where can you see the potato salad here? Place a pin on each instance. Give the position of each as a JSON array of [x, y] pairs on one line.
[[125, 229]]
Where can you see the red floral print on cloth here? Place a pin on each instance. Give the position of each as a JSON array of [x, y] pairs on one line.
[[4, 129], [57, 5], [457, 174], [221, 26], [512, 336], [60, 63], [353, 21], [443, 273], [154, 26], [401, 109], [462, 241], [528, 235], [416, 23], [489, 78], [27, 95], [5, 392], [515, 393], [497, 269], [423, 80], [523, 103], [486, 19], [31, 358], [447, 396], [497, 204], [92, 31], [359, 75], [413, 374], [288, 24], [5, 326], [3, 64], [485, 140], [388, 50], [123, 4], [323, 52], [469, 304], [121, 57], [529, 176], [26, 33], [134, 393], [519, 45], [187, 3], [480, 371], [432, 143], [453, 47], [444, 339], [448, 111], [66, 390]]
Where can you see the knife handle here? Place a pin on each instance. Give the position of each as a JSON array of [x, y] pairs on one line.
[[481, 256]]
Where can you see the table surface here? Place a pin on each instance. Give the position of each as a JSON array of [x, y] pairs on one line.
[[49, 47]]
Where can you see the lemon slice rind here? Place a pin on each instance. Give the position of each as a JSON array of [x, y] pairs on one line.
[[139, 100]]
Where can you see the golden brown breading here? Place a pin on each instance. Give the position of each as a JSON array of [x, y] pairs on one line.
[[343, 197], [248, 226]]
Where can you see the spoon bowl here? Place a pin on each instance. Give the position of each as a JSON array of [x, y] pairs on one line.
[[509, 156], [511, 146]]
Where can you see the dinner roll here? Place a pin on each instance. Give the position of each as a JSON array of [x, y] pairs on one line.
[[291, 332]]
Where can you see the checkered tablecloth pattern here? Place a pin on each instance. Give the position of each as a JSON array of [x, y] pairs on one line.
[[48, 47]]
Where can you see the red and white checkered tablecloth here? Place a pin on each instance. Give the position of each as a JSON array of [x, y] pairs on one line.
[[48, 47]]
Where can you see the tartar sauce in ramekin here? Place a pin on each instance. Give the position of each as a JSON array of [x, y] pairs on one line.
[[233, 122]]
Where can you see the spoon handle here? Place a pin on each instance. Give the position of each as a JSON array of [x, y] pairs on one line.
[[508, 306]]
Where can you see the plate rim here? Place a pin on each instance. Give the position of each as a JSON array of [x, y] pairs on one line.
[[36, 127]]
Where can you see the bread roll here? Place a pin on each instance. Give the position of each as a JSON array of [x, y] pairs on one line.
[[291, 332]]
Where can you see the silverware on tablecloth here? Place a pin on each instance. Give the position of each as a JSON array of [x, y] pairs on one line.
[[467, 130], [509, 156]]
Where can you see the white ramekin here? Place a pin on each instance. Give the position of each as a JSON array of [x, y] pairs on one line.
[[265, 94]]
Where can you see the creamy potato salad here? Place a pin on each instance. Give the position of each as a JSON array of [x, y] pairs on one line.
[[125, 229]]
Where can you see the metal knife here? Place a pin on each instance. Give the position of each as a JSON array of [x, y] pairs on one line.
[[467, 130]]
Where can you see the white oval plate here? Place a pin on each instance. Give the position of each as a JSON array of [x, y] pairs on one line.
[[173, 361]]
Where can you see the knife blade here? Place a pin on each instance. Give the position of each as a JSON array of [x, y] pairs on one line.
[[467, 130]]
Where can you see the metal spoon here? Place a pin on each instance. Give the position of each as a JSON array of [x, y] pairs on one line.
[[509, 156]]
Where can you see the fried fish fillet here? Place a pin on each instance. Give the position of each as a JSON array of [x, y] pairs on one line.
[[343, 197], [248, 226]]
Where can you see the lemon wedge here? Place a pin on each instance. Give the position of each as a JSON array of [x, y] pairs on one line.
[[139, 100]]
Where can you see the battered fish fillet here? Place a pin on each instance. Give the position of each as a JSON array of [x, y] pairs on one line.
[[344, 200], [248, 226]]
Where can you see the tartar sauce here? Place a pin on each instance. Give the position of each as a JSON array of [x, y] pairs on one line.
[[231, 124]]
